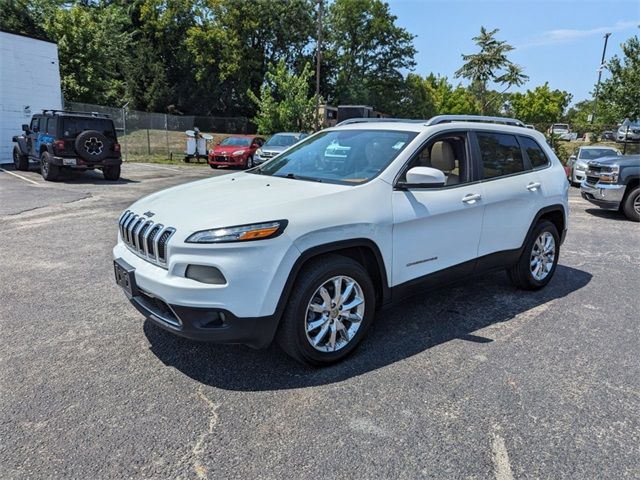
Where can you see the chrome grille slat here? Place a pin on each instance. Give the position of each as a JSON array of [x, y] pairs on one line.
[[145, 238]]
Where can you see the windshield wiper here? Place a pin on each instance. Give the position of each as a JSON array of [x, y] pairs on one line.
[[299, 177]]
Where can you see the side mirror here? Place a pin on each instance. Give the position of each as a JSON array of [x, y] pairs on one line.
[[25, 127], [422, 177]]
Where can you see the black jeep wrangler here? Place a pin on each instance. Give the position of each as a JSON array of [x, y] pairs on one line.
[[58, 139]]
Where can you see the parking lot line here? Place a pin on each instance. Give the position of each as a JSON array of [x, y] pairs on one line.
[[158, 166], [21, 177]]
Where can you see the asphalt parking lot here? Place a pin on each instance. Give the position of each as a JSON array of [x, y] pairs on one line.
[[477, 380]]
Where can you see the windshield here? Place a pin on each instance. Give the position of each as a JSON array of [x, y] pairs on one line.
[[283, 140], [236, 142], [342, 156], [593, 153]]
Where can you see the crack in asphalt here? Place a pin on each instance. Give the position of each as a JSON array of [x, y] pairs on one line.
[[195, 455]]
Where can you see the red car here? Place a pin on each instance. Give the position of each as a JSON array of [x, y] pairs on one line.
[[235, 151]]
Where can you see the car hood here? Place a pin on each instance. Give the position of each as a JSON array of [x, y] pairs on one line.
[[622, 160], [274, 149], [231, 200], [228, 149]]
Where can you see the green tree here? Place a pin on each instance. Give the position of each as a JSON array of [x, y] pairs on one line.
[[93, 44], [621, 92], [490, 65], [284, 103], [540, 105], [368, 52]]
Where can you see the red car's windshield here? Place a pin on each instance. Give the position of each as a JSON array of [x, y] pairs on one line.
[[236, 142]]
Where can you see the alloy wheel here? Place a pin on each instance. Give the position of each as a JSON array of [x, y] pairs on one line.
[[334, 314], [543, 255], [636, 203]]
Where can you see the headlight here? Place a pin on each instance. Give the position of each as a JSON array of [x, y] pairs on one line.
[[580, 166], [609, 174], [237, 152], [259, 152], [241, 233]]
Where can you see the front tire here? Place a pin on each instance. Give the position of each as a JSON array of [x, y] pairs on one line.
[[631, 205], [538, 260], [249, 163], [329, 310], [20, 161], [111, 173], [48, 171]]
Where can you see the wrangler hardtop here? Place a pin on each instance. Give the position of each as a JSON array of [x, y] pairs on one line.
[[62, 139]]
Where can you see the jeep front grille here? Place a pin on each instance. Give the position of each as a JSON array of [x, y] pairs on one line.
[[145, 238]]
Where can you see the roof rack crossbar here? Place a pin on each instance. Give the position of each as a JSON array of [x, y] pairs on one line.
[[474, 118], [93, 114]]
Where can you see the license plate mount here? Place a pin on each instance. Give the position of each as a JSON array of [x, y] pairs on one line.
[[125, 277]]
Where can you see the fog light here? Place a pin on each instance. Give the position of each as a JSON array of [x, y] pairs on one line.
[[205, 274], [603, 192]]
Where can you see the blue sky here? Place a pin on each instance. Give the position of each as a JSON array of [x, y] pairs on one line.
[[556, 41]]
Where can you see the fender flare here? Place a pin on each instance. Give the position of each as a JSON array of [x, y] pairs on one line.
[[22, 144], [334, 247]]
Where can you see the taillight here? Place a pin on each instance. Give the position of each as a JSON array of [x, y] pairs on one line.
[[116, 147], [58, 145]]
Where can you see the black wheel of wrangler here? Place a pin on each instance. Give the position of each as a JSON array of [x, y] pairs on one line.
[[631, 204], [539, 258], [20, 161], [329, 310], [49, 172], [111, 173]]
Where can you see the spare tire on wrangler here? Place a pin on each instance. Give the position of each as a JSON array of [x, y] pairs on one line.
[[93, 146]]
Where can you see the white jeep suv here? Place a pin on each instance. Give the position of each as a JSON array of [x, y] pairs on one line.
[[306, 247]]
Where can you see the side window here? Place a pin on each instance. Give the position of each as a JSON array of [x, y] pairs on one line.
[[446, 153], [501, 154], [535, 153], [51, 126], [35, 124]]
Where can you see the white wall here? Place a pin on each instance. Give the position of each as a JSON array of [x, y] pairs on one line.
[[29, 82]]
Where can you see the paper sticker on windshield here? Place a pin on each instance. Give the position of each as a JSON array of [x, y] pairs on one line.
[[398, 145]]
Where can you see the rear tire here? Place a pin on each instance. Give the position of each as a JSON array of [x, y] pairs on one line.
[[48, 171], [316, 314], [538, 260], [631, 204], [20, 161], [111, 173]]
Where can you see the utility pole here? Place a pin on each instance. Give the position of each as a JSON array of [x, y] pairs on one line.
[[604, 53], [318, 49]]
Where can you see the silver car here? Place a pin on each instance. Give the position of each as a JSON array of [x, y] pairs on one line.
[[629, 131], [579, 160], [277, 144]]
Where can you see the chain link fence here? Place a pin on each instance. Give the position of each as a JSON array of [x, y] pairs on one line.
[[144, 134]]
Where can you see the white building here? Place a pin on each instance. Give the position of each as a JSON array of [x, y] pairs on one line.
[[29, 82]]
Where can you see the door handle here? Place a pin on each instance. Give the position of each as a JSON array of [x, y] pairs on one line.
[[533, 186], [471, 198]]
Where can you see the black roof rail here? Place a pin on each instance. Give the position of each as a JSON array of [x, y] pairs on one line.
[[438, 119], [350, 121], [474, 118], [91, 114]]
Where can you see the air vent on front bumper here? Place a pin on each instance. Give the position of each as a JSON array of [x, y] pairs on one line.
[[145, 238]]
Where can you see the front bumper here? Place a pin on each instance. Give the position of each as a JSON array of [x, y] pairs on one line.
[[206, 324], [604, 196], [245, 309], [228, 161]]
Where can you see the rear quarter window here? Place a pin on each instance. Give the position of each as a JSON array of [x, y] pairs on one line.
[[534, 151]]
